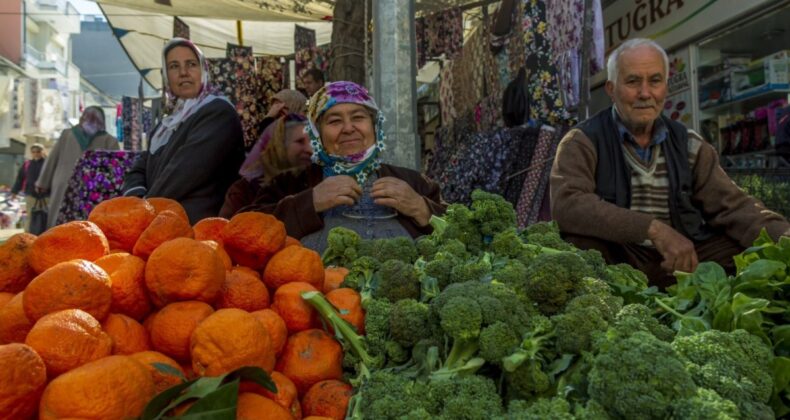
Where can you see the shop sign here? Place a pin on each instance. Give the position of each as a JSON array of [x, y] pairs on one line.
[[679, 72], [669, 22], [641, 15], [678, 104]]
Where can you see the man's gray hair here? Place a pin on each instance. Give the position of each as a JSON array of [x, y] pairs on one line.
[[614, 58]]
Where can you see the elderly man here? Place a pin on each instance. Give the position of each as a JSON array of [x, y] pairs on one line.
[[644, 189]]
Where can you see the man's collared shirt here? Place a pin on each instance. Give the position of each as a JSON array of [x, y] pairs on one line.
[[660, 134]]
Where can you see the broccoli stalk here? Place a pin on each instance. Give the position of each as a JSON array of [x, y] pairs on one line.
[[347, 335], [344, 331], [532, 346], [429, 286]]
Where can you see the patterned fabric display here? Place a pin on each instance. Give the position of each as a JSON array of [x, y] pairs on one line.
[[303, 38], [270, 74], [525, 139], [546, 103], [439, 33], [446, 98], [565, 21], [534, 187], [131, 133], [463, 80], [235, 78], [304, 47], [233, 51], [488, 112], [180, 28], [311, 58], [98, 176], [478, 160]]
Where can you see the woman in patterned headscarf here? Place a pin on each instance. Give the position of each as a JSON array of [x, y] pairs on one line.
[[347, 185], [195, 152]]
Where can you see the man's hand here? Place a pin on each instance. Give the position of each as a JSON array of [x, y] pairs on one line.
[[40, 190], [677, 250], [396, 193], [336, 191]]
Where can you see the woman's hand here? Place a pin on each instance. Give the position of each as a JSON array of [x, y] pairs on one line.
[[277, 110], [335, 191], [396, 193]]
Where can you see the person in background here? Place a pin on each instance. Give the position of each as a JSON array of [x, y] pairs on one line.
[[283, 148], [347, 135], [284, 102], [26, 179], [89, 134], [195, 152], [313, 80], [645, 190]]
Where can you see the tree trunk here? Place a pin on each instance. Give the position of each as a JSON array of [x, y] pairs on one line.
[[348, 41]]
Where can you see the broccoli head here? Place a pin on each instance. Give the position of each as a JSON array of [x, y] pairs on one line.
[[626, 276], [341, 249], [409, 322], [360, 275], [706, 404], [396, 280], [636, 317], [458, 223], [545, 235], [476, 269], [506, 244], [596, 262], [377, 318], [461, 318], [497, 341], [492, 213], [386, 395], [511, 272], [737, 365], [527, 381], [400, 248], [544, 408], [582, 319], [471, 397], [552, 279], [427, 246], [454, 247], [638, 376]]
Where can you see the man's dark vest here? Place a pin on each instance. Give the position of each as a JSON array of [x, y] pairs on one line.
[[613, 177]]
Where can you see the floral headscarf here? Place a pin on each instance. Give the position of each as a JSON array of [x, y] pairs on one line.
[[182, 108], [358, 165]]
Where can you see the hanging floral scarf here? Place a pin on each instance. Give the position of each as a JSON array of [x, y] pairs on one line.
[[359, 165]]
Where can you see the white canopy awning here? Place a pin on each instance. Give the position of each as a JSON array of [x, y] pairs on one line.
[[143, 34], [144, 26]]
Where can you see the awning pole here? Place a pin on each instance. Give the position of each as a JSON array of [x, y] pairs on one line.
[[239, 36]]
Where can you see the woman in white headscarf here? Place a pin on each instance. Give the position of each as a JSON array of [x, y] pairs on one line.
[[196, 151], [89, 134]]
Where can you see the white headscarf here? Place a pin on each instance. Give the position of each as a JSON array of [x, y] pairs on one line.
[[182, 108]]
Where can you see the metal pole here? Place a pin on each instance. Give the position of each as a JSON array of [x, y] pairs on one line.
[[394, 80], [239, 36], [583, 112]]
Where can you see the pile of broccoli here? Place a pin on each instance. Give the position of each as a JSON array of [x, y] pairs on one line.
[[481, 320]]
